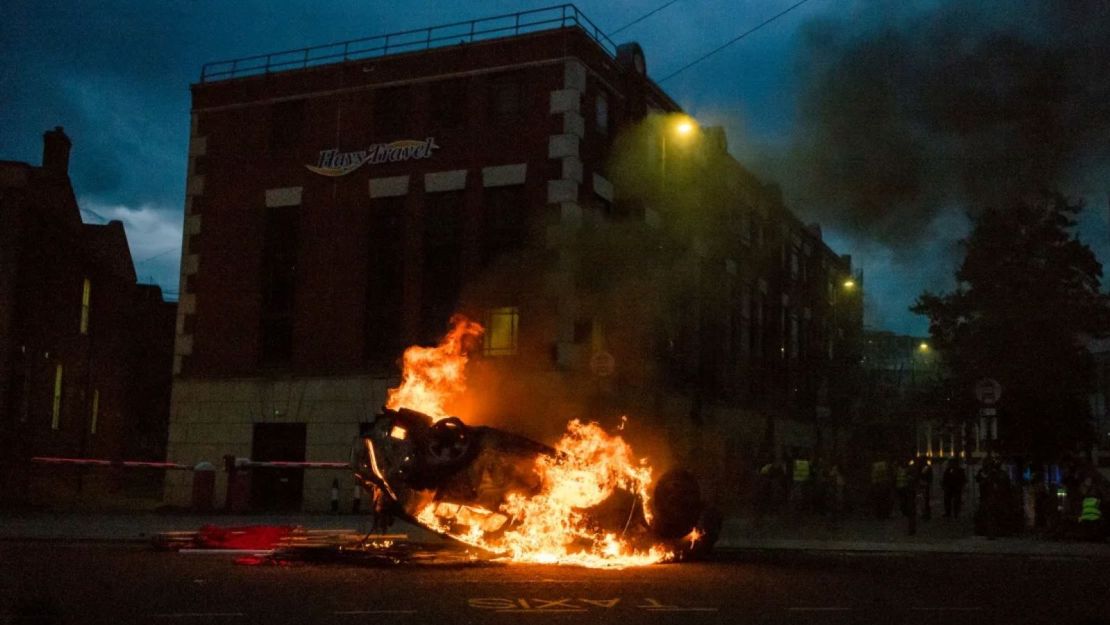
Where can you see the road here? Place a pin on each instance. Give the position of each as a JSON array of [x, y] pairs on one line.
[[121, 583]]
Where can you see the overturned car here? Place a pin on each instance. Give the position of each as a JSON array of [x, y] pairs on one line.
[[584, 501]]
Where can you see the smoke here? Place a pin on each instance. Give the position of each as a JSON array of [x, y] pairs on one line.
[[905, 114]]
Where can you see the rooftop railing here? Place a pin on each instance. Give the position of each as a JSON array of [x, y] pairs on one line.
[[536, 20]]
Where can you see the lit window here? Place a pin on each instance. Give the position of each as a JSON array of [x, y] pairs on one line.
[[501, 331], [95, 411], [56, 410], [86, 296]]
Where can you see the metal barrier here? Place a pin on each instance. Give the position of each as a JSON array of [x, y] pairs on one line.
[[522, 22], [124, 464]]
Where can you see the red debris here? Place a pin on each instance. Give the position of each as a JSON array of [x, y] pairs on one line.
[[244, 537]]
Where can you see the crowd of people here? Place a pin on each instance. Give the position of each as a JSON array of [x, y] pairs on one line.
[[1011, 497]]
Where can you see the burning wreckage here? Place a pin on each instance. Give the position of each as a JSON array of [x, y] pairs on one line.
[[586, 501]]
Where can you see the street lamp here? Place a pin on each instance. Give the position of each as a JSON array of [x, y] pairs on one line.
[[680, 125], [849, 284]]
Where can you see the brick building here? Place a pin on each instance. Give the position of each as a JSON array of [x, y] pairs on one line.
[[343, 201], [85, 351]]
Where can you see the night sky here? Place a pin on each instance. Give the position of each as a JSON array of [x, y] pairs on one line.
[[116, 75]]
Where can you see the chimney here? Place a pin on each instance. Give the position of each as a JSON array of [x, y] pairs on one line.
[[55, 151]]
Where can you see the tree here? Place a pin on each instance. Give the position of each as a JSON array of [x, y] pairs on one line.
[[1027, 296]]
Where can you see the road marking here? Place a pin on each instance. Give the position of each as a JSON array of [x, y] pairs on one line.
[[819, 609], [580, 604], [540, 610], [197, 614], [352, 612], [949, 609]]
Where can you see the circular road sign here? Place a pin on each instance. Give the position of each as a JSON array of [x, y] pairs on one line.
[[602, 363], [988, 391]]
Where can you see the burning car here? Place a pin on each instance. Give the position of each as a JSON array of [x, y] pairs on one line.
[[585, 501]]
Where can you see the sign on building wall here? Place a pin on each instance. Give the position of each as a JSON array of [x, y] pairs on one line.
[[335, 163]]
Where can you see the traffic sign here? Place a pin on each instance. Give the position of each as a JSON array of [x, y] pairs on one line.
[[988, 391]]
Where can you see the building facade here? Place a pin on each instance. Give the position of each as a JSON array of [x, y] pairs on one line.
[[85, 351], [343, 206]]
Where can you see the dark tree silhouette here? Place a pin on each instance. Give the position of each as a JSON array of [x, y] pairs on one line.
[[1027, 296]]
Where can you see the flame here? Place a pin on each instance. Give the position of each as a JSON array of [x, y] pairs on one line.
[[432, 377], [548, 526]]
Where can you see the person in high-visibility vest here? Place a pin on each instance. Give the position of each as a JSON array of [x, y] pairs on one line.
[[1090, 514], [800, 492]]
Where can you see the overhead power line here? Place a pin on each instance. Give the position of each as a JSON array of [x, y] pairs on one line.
[[731, 41], [162, 253], [642, 18]]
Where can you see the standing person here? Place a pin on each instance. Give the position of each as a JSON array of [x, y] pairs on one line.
[[1090, 513], [952, 482], [382, 519], [801, 487], [835, 483], [903, 486], [880, 489], [926, 480], [765, 491]]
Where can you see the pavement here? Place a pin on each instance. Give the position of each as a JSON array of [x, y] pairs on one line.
[[739, 534]]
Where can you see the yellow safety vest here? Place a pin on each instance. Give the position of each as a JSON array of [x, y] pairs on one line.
[[801, 470], [1091, 510]]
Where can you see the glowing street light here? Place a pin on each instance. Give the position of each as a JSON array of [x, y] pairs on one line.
[[849, 284], [683, 127], [923, 347]]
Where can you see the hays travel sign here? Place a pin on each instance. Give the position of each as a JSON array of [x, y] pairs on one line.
[[336, 163]]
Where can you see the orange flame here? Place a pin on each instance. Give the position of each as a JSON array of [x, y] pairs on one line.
[[434, 376], [548, 526]]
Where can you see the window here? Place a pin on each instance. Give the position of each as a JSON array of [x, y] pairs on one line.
[[56, 409], [279, 268], [502, 326], [504, 221], [601, 113], [449, 104], [506, 98], [442, 262], [391, 111], [286, 123], [95, 411], [86, 297], [385, 278]]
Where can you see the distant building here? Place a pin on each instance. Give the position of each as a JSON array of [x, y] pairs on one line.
[[85, 352], [901, 379], [342, 202]]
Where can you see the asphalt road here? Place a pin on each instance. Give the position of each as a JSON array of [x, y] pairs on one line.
[[115, 583]]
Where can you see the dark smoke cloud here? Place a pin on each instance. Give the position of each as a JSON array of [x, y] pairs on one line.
[[906, 114]]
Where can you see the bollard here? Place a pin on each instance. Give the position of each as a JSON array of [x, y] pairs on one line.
[[204, 486], [335, 496], [238, 485]]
